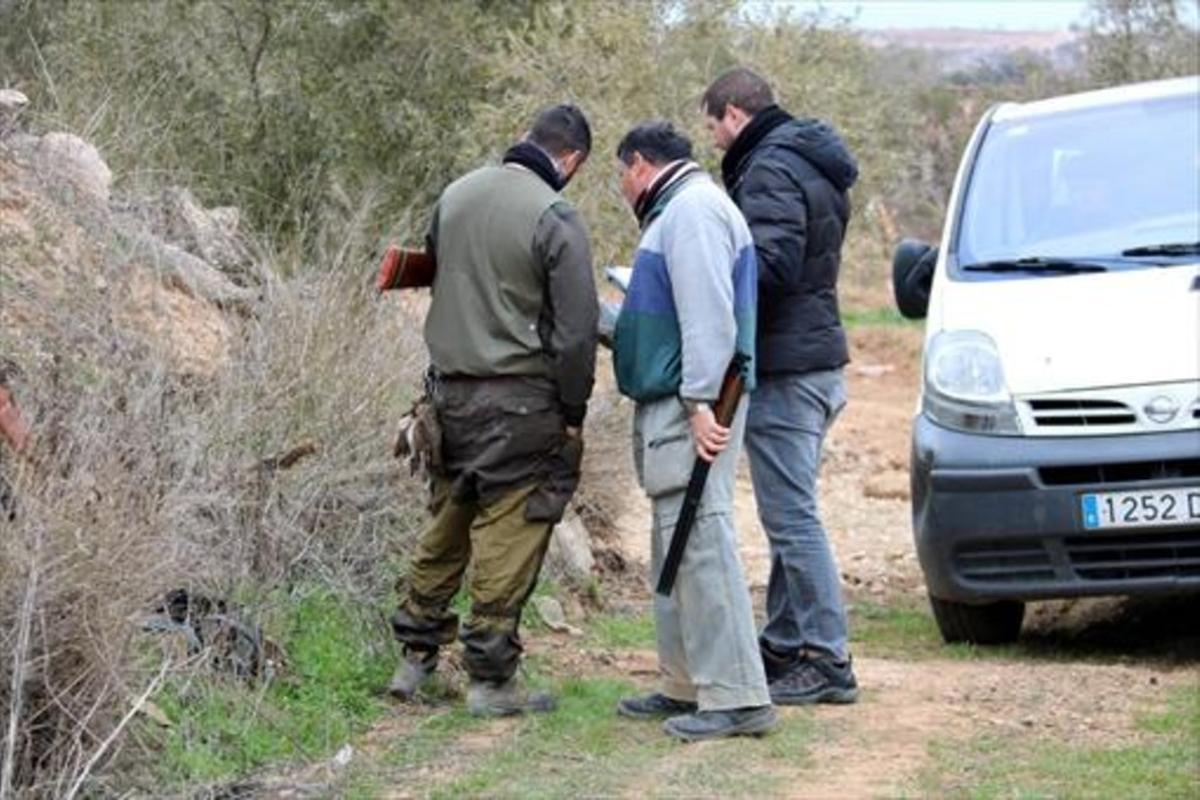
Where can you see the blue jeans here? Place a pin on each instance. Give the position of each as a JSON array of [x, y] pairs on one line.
[[785, 430]]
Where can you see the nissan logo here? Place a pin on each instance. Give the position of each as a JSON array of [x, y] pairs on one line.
[[1161, 409]]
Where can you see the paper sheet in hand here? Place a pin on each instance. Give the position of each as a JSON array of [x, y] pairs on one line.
[[606, 325], [619, 277]]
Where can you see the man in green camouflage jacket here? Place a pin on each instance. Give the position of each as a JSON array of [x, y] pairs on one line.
[[511, 334]]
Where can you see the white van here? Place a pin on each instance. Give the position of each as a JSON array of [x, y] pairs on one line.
[[1056, 451]]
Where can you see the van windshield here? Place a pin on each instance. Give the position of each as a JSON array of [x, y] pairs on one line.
[[1084, 184]]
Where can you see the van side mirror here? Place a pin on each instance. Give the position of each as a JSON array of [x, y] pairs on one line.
[[913, 265]]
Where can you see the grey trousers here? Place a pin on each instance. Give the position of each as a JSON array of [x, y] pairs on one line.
[[707, 646]]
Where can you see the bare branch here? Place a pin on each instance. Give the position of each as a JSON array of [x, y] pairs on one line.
[[17, 690], [116, 731]]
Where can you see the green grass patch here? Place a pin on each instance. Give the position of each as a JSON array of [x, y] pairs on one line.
[[1163, 762], [894, 631], [907, 630], [621, 631], [859, 317], [223, 728]]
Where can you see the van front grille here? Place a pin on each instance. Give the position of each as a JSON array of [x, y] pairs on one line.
[[1083, 558], [1113, 411], [1131, 472], [1129, 557], [1079, 413], [1005, 562]]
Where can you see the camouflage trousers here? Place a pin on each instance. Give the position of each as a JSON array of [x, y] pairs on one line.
[[499, 553]]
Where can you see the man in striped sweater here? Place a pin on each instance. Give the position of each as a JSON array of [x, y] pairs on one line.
[[689, 309]]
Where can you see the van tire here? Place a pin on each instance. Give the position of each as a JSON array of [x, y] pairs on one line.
[[990, 623]]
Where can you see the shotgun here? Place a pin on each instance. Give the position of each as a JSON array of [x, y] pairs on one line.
[[402, 268], [13, 429], [732, 387]]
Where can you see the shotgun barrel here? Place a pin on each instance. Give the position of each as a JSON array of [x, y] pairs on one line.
[[732, 388]]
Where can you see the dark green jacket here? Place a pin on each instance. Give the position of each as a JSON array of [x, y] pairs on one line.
[[514, 293]]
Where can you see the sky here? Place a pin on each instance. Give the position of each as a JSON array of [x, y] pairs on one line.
[[1000, 14]]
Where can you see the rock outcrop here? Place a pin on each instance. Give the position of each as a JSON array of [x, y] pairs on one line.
[[165, 268], [75, 167], [569, 558]]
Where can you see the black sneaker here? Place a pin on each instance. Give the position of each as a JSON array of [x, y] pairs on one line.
[[654, 706], [752, 721], [815, 680], [777, 664]]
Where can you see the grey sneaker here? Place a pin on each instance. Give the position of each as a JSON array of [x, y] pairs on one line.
[[654, 706], [487, 699], [415, 669], [815, 680], [751, 721]]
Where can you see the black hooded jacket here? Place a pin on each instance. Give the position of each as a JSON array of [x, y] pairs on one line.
[[789, 177]]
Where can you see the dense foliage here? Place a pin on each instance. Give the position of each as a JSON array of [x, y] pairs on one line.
[[301, 113]]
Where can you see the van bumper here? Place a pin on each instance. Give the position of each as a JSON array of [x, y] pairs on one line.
[[998, 517]]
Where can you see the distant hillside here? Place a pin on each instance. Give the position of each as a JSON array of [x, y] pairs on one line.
[[962, 48]]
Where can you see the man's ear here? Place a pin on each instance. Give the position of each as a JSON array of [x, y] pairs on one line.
[[570, 162], [737, 116]]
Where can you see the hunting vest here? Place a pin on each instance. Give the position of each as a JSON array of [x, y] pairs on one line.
[[489, 290]]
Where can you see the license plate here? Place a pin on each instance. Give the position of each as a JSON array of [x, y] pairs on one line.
[[1147, 508]]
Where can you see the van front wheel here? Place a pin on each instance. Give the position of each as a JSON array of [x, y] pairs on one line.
[[989, 623]]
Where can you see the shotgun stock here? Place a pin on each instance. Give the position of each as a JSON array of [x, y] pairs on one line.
[[402, 268], [732, 387], [13, 428]]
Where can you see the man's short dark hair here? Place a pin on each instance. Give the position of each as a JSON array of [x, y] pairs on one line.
[[657, 141], [560, 129], [739, 87]]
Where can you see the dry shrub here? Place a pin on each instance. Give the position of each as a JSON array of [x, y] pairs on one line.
[[149, 474]]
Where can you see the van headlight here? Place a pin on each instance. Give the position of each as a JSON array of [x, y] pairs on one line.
[[964, 385]]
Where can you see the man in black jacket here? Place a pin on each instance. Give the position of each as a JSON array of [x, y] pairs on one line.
[[790, 178]]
